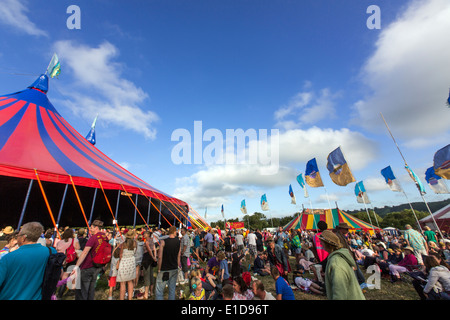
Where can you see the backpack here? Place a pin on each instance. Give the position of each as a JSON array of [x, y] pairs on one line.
[[71, 254], [227, 241], [101, 255], [52, 274]]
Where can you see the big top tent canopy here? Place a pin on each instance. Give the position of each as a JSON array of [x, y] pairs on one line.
[[307, 220], [37, 143]]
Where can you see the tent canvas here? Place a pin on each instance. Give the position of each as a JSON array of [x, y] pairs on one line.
[[442, 217], [308, 220], [36, 140]]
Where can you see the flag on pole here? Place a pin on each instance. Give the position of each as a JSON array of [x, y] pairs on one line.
[[390, 179], [302, 184], [206, 209], [291, 193], [441, 162], [435, 182], [312, 174], [339, 170], [91, 135], [222, 212], [361, 194], [243, 207], [264, 204], [54, 67], [416, 180]]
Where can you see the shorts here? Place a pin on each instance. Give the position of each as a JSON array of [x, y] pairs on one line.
[[252, 249], [184, 263], [209, 246], [112, 282]]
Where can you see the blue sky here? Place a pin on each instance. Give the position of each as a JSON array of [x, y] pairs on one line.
[[311, 69]]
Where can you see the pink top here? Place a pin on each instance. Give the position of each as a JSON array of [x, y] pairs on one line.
[[321, 253]]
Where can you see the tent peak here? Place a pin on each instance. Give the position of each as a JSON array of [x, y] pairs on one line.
[[40, 83]]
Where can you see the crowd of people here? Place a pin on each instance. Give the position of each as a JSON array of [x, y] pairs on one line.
[[209, 264]]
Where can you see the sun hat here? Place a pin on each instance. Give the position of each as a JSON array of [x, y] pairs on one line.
[[131, 234], [408, 248], [343, 225], [329, 237], [8, 230]]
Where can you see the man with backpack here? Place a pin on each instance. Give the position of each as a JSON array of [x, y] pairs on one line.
[[22, 271], [87, 266]]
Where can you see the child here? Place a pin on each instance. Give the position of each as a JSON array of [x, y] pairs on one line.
[[224, 275], [236, 268], [113, 272], [197, 293]]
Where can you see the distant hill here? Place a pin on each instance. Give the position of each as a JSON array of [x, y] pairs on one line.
[[418, 206]]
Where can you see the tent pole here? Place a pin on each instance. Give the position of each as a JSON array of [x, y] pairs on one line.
[[117, 212], [92, 207], [60, 208], [25, 204], [135, 208], [149, 208], [160, 213]]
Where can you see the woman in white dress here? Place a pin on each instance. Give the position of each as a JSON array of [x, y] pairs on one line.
[[126, 270]]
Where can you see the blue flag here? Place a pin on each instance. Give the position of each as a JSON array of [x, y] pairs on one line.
[[435, 182], [441, 162], [339, 170], [222, 212], [291, 193], [312, 174], [390, 179], [264, 204]]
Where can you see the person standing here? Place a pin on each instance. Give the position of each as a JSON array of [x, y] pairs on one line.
[[340, 279], [251, 241], [22, 271], [185, 252], [239, 238], [415, 240], [87, 271], [126, 266], [169, 257]]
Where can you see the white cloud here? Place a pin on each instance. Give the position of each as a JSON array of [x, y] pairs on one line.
[[99, 88], [14, 14], [213, 185], [408, 74], [306, 108]]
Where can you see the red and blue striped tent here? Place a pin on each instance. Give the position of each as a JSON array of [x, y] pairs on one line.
[[35, 138], [308, 220]]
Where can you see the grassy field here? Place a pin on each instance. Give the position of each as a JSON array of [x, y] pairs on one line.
[[401, 290]]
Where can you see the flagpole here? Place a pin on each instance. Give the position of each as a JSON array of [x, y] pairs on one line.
[[414, 180], [365, 206]]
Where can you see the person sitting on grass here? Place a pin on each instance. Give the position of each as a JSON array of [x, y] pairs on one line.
[[197, 292], [260, 292], [259, 266], [407, 264], [241, 290]]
